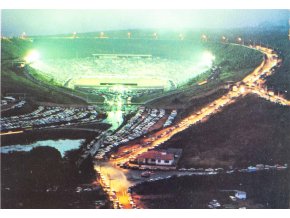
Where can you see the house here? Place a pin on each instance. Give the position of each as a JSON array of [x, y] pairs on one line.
[[241, 195], [156, 157]]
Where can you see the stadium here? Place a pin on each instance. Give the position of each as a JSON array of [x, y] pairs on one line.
[[105, 63], [136, 70]]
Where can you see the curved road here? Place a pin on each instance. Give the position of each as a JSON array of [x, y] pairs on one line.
[[116, 179]]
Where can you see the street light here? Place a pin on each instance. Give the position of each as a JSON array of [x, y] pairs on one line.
[[240, 40]]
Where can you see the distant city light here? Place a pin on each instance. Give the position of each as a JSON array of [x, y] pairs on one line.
[[32, 56]]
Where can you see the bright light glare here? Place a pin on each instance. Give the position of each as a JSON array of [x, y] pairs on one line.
[[32, 56], [208, 58], [119, 88], [242, 89]]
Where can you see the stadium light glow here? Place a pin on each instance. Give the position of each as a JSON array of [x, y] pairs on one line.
[[111, 103], [32, 56], [208, 58], [119, 88]]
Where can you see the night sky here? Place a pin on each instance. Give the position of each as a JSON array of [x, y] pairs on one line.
[[49, 22]]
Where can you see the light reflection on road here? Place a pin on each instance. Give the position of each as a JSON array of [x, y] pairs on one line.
[[117, 178]]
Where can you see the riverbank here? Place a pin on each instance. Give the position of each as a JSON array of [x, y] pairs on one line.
[[42, 178], [46, 134]]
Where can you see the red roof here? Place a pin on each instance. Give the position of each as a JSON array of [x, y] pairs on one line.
[[158, 155]]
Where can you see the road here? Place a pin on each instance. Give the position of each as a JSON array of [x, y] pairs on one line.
[[11, 132], [117, 179]]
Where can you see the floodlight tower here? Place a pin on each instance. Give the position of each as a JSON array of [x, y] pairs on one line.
[[204, 38], [240, 40], [23, 35], [224, 39]]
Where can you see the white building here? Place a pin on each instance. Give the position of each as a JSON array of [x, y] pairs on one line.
[[156, 158], [241, 195]]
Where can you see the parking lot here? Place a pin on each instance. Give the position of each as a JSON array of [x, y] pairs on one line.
[[137, 126], [49, 117]]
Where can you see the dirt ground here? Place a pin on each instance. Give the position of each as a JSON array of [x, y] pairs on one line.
[[251, 131]]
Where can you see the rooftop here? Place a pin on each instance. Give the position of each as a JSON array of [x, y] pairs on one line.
[[159, 155]]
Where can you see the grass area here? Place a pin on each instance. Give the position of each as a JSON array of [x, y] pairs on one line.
[[50, 82], [277, 38], [13, 82], [85, 47], [14, 48], [25, 185], [190, 98], [236, 62], [27, 108], [251, 131], [280, 81], [264, 190]]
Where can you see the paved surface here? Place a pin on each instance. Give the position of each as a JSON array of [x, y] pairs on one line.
[[119, 180]]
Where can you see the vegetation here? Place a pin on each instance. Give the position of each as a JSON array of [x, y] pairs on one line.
[[275, 37], [280, 81], [264, 190], [13, 80], [27, 177], [249, 132], [227, 56], [85, 47]]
